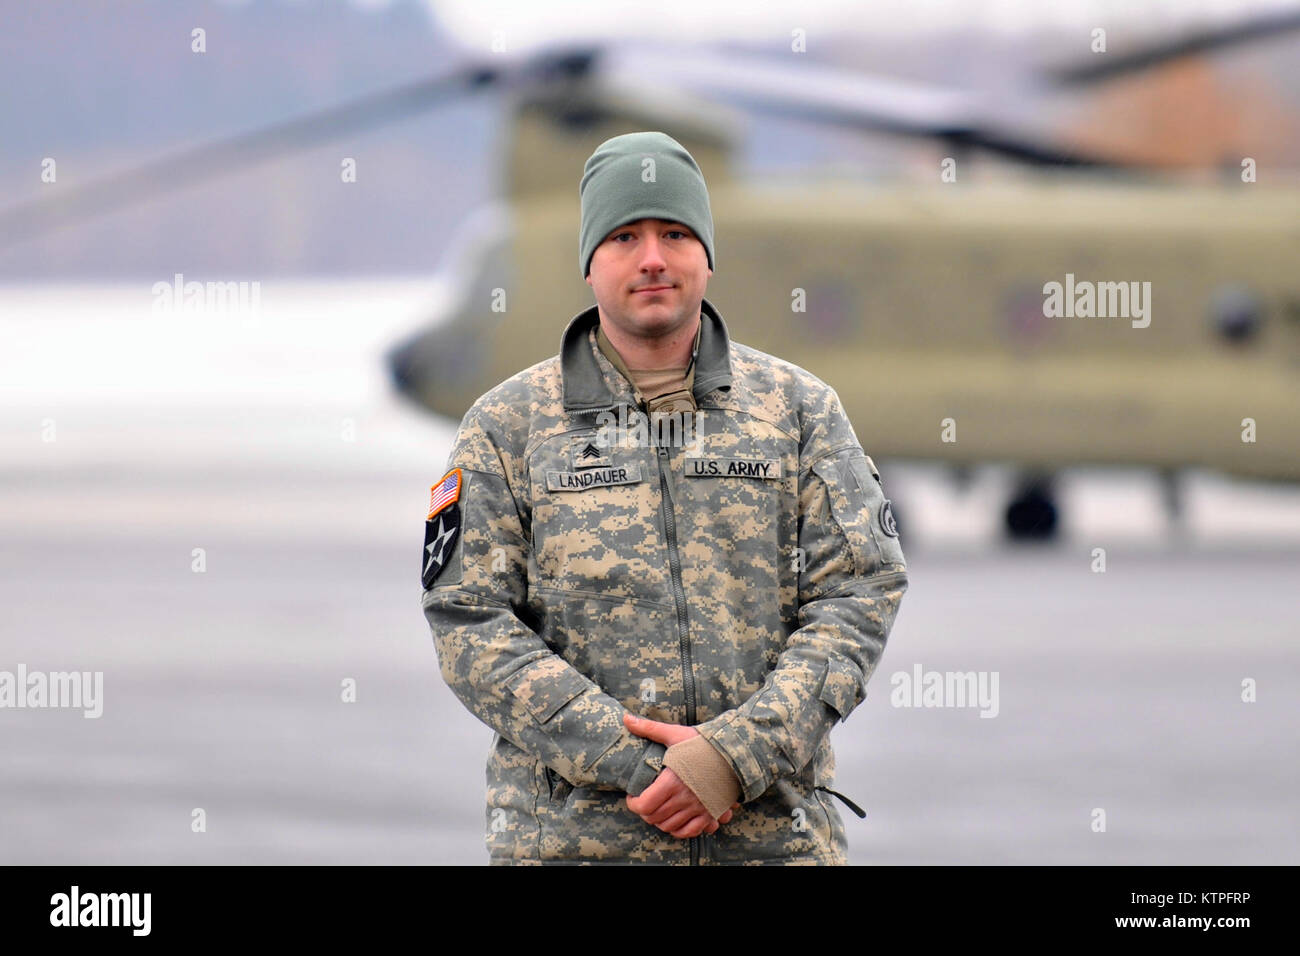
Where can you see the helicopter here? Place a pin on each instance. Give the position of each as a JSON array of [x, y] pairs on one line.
[[939, 312], [930, 307]]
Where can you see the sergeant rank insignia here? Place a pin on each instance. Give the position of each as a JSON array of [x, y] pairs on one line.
[[586, 453], [442, 526]]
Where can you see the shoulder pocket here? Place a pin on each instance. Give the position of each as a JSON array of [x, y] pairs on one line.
[[862, 511], [546, 686], [842, 686]]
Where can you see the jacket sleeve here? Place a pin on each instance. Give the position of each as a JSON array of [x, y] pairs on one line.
[[498, 666], [852, 576]]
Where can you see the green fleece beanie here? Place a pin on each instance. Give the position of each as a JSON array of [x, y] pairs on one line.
[[641, 176]]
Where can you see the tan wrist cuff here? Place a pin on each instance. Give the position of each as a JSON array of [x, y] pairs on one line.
[[706, 771]]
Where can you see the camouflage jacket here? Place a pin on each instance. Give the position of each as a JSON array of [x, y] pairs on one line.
[[738, 571]]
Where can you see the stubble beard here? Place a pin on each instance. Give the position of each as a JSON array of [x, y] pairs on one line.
[[633, 325]]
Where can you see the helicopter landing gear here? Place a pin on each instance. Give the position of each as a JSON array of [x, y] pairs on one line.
[[1031, 515]]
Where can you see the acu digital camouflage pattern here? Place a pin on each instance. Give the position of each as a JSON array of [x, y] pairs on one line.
[[752, 608]]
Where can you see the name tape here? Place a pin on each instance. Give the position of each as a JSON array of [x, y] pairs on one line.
[[593, 478]]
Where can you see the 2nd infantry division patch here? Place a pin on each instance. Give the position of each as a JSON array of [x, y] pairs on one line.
[[441, 527]]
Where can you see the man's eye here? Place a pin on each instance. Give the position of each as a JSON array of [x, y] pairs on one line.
[[621, 235], [676, 232]]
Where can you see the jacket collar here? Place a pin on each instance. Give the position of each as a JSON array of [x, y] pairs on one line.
[[585, 386]]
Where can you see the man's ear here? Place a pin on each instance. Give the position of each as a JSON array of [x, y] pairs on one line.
[[588, 280]]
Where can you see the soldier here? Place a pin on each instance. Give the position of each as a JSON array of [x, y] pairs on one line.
[[661, 566]]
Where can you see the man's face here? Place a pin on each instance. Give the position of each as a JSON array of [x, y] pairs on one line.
[[649, 277]]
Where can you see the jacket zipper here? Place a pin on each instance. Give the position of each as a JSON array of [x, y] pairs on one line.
[[679, 596], [666, 500]]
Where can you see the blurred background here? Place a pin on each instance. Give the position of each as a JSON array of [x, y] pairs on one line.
[[257, 258]]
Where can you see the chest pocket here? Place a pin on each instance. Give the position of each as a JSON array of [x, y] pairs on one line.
[[858, 502], [593, 516]]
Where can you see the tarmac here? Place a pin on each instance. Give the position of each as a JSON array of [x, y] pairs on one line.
[[229, 566]]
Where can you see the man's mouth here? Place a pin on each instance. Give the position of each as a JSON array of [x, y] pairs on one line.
[[653, 288]]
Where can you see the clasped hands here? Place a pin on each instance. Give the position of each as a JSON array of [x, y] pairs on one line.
[[668, 803]]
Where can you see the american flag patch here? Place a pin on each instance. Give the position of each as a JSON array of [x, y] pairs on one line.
[[444, 493]]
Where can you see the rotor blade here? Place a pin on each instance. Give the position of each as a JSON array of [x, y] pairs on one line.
[[196, 164], [1030, 152], [1110, 65], [850, 99]]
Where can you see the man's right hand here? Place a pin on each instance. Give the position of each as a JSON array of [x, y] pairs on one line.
[[668, 803], [671, 806], [726, 817]]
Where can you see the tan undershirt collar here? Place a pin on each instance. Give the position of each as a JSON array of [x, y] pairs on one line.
[[650, 383]]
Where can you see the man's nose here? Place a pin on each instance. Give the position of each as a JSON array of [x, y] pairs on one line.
[[652, 257]]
